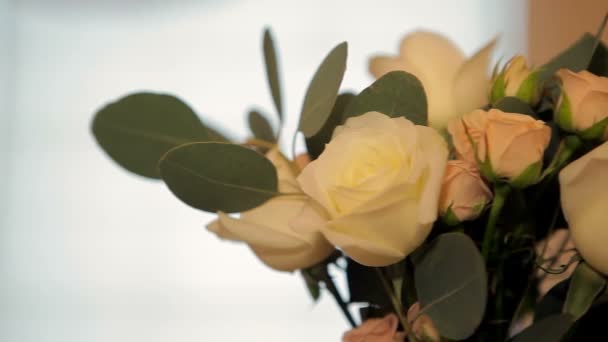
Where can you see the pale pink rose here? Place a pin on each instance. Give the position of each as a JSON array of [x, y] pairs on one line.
[[467, 131], [583, 102], [463, 191], [506, 143], [376, 330]]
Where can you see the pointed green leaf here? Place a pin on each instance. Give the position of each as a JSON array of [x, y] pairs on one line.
[[312, 285], [395, 94], [512, 104], [215, 135], [272, 71], [323, 91], [316, 144], [138, 129], [599, 61], [577, 57], [260, 127], [218, 176], [585, 286], [451, 283]]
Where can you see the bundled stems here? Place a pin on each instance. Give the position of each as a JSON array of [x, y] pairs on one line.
[[394, 301], [331, 287], [501, 191]]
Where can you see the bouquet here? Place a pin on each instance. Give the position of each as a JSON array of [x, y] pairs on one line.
[[442, 193]]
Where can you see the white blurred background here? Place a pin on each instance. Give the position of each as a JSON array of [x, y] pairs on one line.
[[89, 252]]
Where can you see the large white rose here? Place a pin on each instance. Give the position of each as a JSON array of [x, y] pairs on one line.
[[453, 84], [584, 197], [375, 188], [266, 228]]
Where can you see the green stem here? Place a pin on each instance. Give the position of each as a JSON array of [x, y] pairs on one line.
[[394, 302], [569, 146], [501, 191], [331, 287]]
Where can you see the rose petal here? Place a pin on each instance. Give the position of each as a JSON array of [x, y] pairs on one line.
[[381, 65], [435, 60], [472, 84]]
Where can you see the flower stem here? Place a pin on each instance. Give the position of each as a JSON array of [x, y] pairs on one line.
[[501, 191], [331, 287], [394, 301]]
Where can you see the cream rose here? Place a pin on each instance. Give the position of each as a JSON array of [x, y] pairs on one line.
[[509, 145], [464, 194], [518, 80], [266, 228], [453, 84], [583, 104], [584, 198], [375, 188], [376, 330]]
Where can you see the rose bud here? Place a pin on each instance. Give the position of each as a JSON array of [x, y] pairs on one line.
[[516, 80], [464, 194], [583, 104]]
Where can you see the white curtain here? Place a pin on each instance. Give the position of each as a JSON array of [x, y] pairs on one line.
[[92, 253]]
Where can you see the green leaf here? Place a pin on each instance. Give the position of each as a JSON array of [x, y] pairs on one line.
[[451, 283], [218, 176], [579, 56], [260, 127], [549, 329], [138, 129], [595, 132], [312, 285], [511, 104], [272, 72], [599, 61], [323, 91], [395, 94], [585, 286], [316, 144], [364, 285], [215, 135], [576, 58]]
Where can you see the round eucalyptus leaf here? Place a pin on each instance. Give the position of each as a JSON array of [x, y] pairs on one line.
[[138, 129], [219, 176], [451, 283], [395, 94]]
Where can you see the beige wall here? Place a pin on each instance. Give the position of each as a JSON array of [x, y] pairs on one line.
[[555, 24]]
